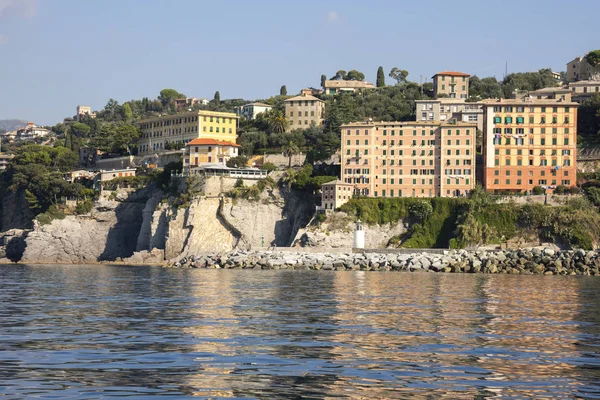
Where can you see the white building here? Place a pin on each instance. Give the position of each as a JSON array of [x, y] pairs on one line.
[[250, 111], [31, 132]]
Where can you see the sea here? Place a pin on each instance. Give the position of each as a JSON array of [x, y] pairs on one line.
[[98, 331]]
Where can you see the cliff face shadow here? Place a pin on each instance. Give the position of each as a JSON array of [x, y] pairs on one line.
[[122, 237]]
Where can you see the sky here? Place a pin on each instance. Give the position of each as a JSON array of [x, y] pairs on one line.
[[56, 54]]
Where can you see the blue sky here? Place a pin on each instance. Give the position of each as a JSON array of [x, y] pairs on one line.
[[55, 54]]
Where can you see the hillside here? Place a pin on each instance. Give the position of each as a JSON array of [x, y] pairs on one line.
[[11, 124]]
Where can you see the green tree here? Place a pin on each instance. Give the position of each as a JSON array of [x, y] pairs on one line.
[[167, 96], [217, 98], [323, 79], [354, 75], [68, 141], [340, 75], [289, 149], [277, 121], [380, 77], [593, 58], [127, 113], [283, 91], [485, 88], [399, 75], [237, 162], [80, 130]]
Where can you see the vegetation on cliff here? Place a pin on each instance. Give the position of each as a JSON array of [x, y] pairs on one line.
[[480, 220]]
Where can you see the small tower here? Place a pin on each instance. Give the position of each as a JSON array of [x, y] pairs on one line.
[[359, 236]]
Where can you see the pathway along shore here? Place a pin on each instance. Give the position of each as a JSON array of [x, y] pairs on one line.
[[524, 261]]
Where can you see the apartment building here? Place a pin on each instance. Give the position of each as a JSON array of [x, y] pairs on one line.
[[580, 70], [451, 83], [448, 109], [409, 159], [303, 110], [335, 194], [208, 151], [529, 142], [174, 131], [341, 86]]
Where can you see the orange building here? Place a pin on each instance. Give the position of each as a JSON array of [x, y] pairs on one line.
[[529, 142], [409, 159], [451, 83], [208, 151]]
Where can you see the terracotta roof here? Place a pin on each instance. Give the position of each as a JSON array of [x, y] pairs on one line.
[[211, 142], [452, 73]]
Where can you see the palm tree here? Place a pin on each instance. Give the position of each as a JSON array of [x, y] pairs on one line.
[[277, 121], [289, 149], [290, 178]]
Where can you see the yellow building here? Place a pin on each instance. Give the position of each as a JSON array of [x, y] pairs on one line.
[[208, 151], [529, 142], [174, 131], [304, 110], [451, 83], [409, 159]]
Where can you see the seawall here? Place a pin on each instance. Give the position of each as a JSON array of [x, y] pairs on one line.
[[516, 262]]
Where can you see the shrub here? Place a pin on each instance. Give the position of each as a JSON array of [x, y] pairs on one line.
[[268, 167], [537, 190], [52, 213], [321, 217], [84, 207], [237, 162]]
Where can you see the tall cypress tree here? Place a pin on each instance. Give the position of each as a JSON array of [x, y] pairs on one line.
[[283, 91], [217, 98], [380, 77], [323, 79]]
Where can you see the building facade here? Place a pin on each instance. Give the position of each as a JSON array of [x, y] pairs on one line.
[[208, 151], [451, 83], [341, 86], [31, 132], [302, 111], [445, 109], [250, 111], [335, 194], [409, 159], [175, 131], [84, 110], [529, 142], [580, 70]]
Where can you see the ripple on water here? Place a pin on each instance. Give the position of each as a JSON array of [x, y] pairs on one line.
[[89, 332]]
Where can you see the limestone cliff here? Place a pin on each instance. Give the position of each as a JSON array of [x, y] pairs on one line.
[[337, 231]]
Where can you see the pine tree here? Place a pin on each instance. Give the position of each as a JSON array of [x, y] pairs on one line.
[[380, 77], [217, 98], [283, 91]]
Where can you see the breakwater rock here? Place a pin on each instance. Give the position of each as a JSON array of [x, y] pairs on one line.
[[525, 261]]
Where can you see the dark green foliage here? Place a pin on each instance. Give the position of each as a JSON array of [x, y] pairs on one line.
[[538, 190], [52, 213], [527, 81], [283, 91], [380, 77], [251, 193], [84, 206], [593, 58], [217, 98], [237, 162], [323, 79], [459, 223], [485, 88], [268, 167]]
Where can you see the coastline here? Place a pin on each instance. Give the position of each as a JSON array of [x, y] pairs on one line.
[[534, 261]]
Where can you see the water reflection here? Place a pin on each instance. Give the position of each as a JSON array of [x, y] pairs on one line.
[[114, 331]]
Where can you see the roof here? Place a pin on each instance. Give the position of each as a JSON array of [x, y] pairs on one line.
[[189, 114], [585, 83], [452, 73], [337, 182], [557, 89], [211, 142], [527, 102], [305, 97], [348, 84], [258, 104], [407, 124]]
